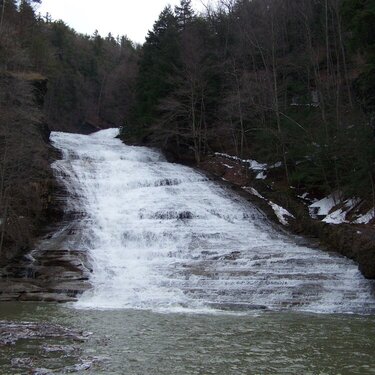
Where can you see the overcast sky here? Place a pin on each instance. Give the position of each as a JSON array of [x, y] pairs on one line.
[[120, 17]]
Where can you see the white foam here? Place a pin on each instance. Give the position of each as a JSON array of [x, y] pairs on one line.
[[162, 237]]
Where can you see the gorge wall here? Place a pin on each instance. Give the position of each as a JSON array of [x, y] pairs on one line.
[[27, 182]]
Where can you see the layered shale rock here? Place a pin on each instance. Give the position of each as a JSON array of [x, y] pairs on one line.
[[48, 275]]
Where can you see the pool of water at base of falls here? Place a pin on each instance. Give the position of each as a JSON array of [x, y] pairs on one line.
[[138, 342]]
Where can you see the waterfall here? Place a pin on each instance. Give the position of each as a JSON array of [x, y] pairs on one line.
[[161, 236]]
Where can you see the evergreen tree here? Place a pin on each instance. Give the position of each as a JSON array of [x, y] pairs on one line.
[[184, 13], [360, 20], [160, 57]]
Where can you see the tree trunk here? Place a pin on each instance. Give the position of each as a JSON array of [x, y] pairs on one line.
[[276, 102], [102, 86], [3, 225], [342, 47], [2, 17], [194, 125]]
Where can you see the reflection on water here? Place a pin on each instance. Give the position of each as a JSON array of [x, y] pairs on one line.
[[140, 343]]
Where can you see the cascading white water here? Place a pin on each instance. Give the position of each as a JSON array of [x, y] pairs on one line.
[[162, 236]]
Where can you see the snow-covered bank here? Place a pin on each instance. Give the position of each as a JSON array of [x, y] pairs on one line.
[[281, 213], [332, 209]]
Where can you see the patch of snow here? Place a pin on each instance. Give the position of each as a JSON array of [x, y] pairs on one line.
[[255, 166], [252, 191], [227, 156], [365, 219], [339, 216], [351, 203], [276, 165], [227, 166], [303, 196], [261, 176], [324, 206], [324, 209], [281, 213], [336, 217]]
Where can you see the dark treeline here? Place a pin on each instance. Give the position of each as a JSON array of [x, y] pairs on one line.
[[90, 78], [278, 80]]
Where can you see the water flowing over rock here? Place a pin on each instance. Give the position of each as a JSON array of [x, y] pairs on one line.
[[163, 237]]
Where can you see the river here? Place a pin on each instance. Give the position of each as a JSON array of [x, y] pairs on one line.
[[187, 279]]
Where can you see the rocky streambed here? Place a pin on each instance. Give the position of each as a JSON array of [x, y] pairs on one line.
[[41, 347]]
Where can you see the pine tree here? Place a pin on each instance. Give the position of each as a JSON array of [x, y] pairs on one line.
[[160, 56], [184, 13]]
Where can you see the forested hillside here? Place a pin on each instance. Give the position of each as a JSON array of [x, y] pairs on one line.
[[51, 78], [90, 78], [288, 81]]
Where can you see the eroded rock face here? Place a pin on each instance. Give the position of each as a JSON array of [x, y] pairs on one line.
[[25, 155], [53, 276]]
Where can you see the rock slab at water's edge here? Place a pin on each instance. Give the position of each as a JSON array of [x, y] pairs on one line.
[[49, 276]]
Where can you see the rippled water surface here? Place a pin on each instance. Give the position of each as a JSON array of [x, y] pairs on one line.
[[145, 343]]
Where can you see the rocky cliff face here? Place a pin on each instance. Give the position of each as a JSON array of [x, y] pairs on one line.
[[26, 179]]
